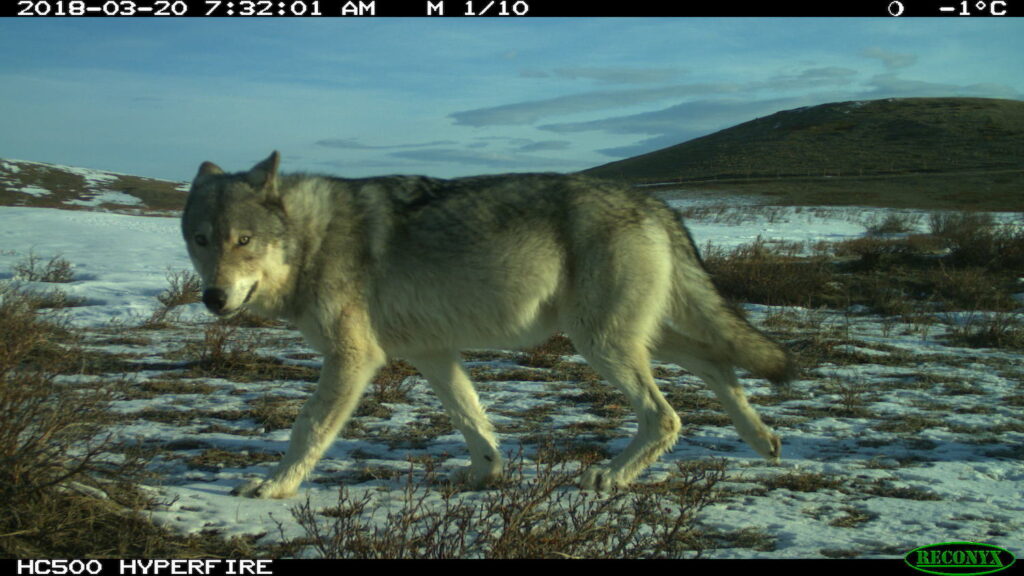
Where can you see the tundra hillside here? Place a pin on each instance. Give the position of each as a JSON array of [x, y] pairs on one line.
[[937, 153]]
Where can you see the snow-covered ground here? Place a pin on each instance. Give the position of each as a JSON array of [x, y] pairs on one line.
[[958, 476]]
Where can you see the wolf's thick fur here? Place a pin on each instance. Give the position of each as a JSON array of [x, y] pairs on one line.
[[421, 268]]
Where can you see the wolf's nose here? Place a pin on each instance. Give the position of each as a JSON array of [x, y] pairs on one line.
[[215, 299]]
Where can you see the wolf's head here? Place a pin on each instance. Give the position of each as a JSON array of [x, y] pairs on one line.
[[234, 226]]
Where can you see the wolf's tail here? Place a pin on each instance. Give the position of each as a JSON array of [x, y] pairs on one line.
[[702, 313], [749, 348]]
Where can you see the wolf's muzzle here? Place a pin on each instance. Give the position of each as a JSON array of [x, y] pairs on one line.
[[215, 300]]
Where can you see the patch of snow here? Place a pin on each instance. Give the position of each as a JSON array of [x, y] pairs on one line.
[[107, 197], [34, 191]]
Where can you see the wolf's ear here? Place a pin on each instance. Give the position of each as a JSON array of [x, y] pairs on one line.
[[263, 176], [207, 169]]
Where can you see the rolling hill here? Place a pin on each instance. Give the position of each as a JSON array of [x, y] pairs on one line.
[[36, 184], [913, 152]]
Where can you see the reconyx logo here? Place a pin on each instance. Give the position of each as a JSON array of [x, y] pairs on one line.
[[959, 558]]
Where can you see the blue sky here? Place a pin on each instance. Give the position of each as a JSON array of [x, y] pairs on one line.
[[452, 97]]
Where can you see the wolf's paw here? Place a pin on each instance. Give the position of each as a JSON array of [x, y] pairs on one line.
[[769, 446], [764, 442], [473, 479], [259, 488], [602, 479], [775, 454]]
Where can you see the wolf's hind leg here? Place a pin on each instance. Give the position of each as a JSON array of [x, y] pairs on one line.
[[446, 375], [628, 368], [720, 376]]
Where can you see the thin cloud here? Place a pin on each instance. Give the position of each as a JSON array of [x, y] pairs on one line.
[[682, 122], [696, 116], [810, 78], [546, 145], [651, 144], [530, 112], [891, 60], [489, 160], [893, 86], [353, 144], [534, 111], [610, 75]]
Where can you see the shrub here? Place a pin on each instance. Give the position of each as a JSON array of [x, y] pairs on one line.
[[59, 477], [892, 223], [542, 516], [67, 486], [222, 352], [976, 239], [185, 287], [759, 273], [32, 269], [996, 330]]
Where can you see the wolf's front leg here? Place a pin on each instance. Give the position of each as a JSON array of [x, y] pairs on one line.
[[342, 382]]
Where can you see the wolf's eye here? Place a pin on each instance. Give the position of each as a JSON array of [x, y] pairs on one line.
[[200, 240], [243, 240]]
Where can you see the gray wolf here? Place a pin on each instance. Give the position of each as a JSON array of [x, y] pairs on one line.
[[421, 268]]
